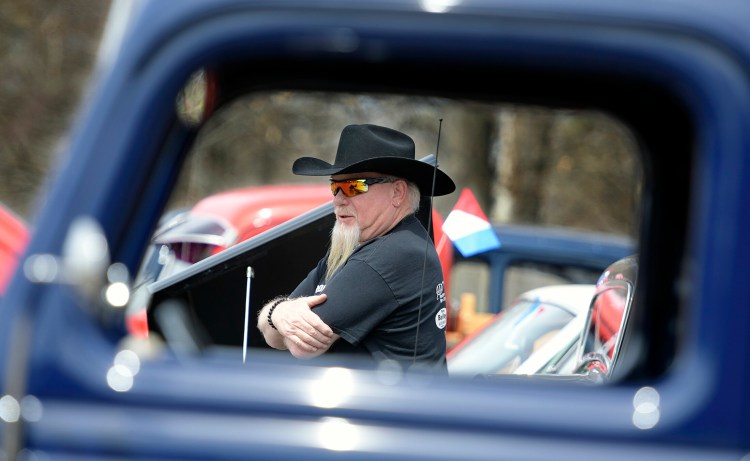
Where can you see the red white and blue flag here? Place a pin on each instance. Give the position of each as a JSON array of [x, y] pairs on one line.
[[468, 227]]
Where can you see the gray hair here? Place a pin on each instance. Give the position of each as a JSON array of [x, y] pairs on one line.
[[414, 196], [412, 192]]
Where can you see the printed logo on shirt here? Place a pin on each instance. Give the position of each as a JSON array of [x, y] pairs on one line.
[[441, 318], [440, 292], [319, 288]]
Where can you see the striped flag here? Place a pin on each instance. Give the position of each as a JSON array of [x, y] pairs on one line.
[[468, 227]]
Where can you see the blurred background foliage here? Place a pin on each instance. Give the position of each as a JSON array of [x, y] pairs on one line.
[[47, 50], [529, 165]]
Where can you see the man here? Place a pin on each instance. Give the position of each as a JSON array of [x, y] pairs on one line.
[[380, 288]]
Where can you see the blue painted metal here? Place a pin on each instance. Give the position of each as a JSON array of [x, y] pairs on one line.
[[125, 150]]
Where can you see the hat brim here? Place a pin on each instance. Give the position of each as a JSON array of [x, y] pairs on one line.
[[420, 173]]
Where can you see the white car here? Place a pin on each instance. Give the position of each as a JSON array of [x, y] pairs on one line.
[[538, 333]]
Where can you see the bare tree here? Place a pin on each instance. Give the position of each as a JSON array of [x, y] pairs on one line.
[[46, 52]]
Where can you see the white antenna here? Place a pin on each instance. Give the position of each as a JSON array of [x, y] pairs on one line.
[[250, 275]]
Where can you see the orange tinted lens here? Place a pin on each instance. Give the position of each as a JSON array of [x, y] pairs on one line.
[[349, 187]]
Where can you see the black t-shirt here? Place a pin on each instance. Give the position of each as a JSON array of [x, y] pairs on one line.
[[388, 299]]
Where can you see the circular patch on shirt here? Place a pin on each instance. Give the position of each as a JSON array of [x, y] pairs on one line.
[[441, 318]]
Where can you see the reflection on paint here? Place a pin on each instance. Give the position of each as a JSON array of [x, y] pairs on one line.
[[646, 412], [31, 408], [10, 410], [338, 434], [390, 372], [332, 389], [438, 6], [117, 294], [121, 376]]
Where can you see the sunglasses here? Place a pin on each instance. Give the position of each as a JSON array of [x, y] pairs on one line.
[[352, 187]]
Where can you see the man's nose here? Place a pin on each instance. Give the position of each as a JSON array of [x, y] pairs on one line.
[[338, 195]]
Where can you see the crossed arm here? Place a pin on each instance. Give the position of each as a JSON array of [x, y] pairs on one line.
[[298, 328]]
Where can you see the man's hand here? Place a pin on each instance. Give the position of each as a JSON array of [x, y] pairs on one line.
[[298, 329], [302, 329]]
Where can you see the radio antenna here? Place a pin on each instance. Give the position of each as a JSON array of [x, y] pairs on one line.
[[429, 239]]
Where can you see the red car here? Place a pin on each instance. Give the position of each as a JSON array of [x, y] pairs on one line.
[[224, 219], [13, 238]]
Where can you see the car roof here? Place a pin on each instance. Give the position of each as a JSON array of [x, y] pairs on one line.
[[582, 246], [243, 207], [234, 215]]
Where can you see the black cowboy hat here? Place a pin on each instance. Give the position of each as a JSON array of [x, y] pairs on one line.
[[378, 149]]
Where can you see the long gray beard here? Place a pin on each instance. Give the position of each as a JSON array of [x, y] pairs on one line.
[[344, 240]]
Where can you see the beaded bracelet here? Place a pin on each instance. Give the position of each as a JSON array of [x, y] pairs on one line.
[[270, 311]]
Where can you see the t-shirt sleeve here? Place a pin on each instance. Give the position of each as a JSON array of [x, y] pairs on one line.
[[358, 300], [308, 285]]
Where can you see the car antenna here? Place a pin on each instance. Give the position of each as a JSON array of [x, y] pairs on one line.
[[428, 240], [250, 275]]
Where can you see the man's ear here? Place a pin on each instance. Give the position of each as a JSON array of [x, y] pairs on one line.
[[399, 192]]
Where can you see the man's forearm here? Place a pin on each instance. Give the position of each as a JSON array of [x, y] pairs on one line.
[[290, 324], [272, 336]]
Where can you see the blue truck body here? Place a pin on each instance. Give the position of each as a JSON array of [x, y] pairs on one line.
[[677, 71]]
